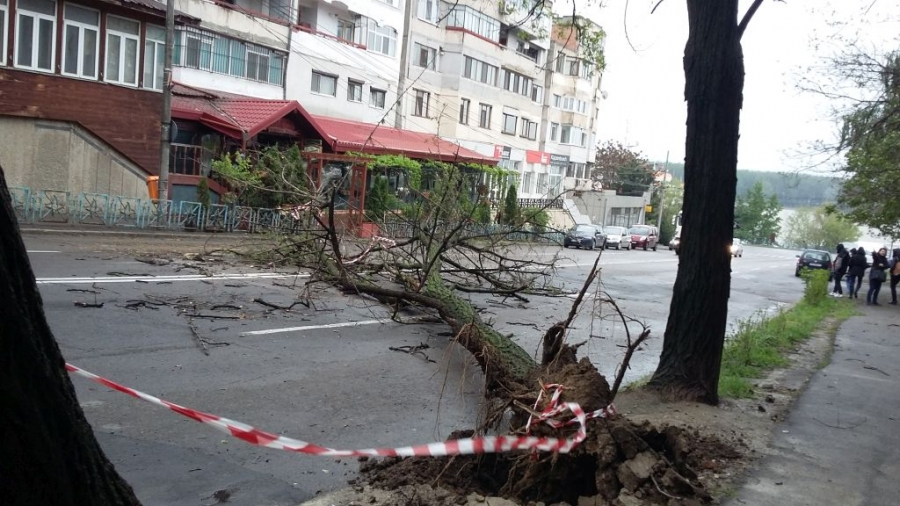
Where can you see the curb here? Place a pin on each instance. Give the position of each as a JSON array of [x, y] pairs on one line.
[[27, 230]]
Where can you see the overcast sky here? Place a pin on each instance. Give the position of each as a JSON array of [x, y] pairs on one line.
[[645, 107]]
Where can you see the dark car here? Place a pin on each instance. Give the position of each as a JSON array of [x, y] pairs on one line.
[[585, 236], [813, 259], [644, 236]]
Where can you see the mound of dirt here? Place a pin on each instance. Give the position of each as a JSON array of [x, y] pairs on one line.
[[620, 463]]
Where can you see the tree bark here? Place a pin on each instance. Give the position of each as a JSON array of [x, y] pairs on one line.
[[695, 333], [49, 454]]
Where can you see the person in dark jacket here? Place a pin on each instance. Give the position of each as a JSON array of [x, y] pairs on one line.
[[858, 266], [894, 264], [877, 275], [841, 262]]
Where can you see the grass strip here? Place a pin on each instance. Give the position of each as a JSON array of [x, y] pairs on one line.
[[762, 344]]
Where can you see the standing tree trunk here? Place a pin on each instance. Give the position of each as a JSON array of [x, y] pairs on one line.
[[695, 333], [49, 454]]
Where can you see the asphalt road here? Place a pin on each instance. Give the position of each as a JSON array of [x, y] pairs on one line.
[[324, 373]]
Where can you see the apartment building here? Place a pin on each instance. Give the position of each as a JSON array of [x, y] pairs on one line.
[[80, 100], [570, 114]]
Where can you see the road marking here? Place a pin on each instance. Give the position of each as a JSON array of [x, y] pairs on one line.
[[168, 279], [312, 327], [40, 251]]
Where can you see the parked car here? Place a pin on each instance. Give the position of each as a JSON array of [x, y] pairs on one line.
[[737, 248], [617, 237], [585, 236], [813, 259], [644, 236]]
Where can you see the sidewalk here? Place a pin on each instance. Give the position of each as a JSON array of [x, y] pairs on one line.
[[840, 444]]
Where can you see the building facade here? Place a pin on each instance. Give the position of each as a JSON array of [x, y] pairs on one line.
[[80, 100]]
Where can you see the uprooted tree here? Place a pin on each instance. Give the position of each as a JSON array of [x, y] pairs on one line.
[[438, 257]]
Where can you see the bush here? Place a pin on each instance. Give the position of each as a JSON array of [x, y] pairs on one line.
[[816, 290]]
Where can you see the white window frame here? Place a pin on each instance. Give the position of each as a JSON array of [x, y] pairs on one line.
[[4, 29], [537, 93], [36, 17], [482, 121], [315, 86], [464, 106], [566, 134], [506, 128], [373, 102], [353, 84], [480, 71], [81, 26], [259, 58], [153, 49], [529, 129], [344, 25], [430, 53], [527, 179], [421, 102], [124, 36], [378, 35], [554, 131], [422, 10]]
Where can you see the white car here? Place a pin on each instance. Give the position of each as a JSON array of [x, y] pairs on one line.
[[617, 237], [737, 248]]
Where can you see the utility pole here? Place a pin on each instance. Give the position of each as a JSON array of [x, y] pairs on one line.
[[662, 200], [166, 122], [404, 64]]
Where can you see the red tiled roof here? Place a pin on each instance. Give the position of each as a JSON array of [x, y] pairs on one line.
[[349, 135], [237, 116]]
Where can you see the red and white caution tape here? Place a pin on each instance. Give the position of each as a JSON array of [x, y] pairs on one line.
[[487, 444]]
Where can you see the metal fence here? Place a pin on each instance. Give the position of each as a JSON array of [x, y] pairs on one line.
[[61, 207]]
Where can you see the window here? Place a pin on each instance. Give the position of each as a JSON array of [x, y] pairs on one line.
[[517, 83], [424, 56], [527, 182], [565, 136], [346, 30], [584, 139], [154, 57], [389, 2], [537, 94], [324, 84], [280, 9], [529, 51], [81, 45], [376, 98], [529, 129], [554, 131], [223, 55], [461, 16], [560, 62], [542, 183], [422, 98], [587, 70], [4, 13], [382, 39], [480, 71], [428, 10], [257, 65], [354, 90], [35, 34], [509, 124], [573, 66], [464, 111], [484, 117], [122, 42]]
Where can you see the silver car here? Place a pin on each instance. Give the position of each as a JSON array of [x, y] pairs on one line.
[[617, 237]]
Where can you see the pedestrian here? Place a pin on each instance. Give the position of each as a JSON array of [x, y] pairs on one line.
[[858, 266], [840, 268], [895, 274], [850, 278], [877, 276]]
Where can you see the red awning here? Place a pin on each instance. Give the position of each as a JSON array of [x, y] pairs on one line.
[[236, 116], [349, 135]]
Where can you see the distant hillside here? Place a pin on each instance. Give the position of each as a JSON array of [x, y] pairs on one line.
[[793, 190]]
